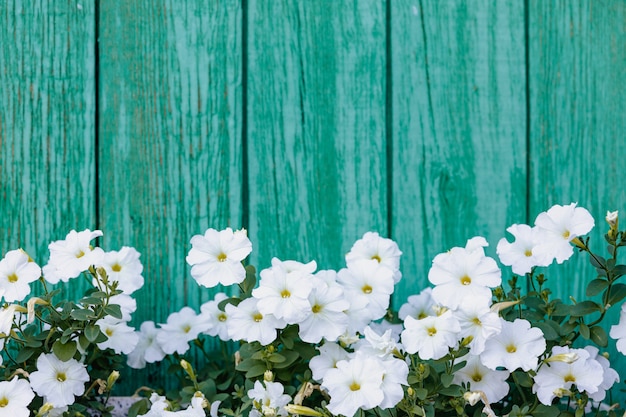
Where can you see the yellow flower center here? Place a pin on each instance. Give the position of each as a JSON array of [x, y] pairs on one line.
[[354, 386], [477, 377], [377, 258], [12, 278], [222, 257], [431, 331], [511, 349], [476, 321], [528, 253], [569, 378], [186, 328], [465, 280], [285, 293], [421, 315], [316, 308], [566, 234], [367, 289], [61, 377], [258, 317], [116, 267], [222, 317], [4, 401], [80, 254], [109, 332]]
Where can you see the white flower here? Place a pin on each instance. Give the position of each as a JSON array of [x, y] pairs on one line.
[[247, 323], [128, 305], [396, 372], [120, 337], [7, 314], [384, 346], [327, 319], [431, 337], [16, 273], [463, 273], [125, 268], [181, 328], [418, 306], [563, 224], [215, 258], [480, 378], [609, 375], [269, 399], [15, 396], [478, 322], [354, 384], [366, 281], [59, 382], [147, 349], [517, 346], [70, 257], [284, 294], [618, 331], [330, 354], [527, 251], [216, 320], [585, 373], [384, 251]]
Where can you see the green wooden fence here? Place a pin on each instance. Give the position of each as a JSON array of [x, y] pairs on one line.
[[307, 122]]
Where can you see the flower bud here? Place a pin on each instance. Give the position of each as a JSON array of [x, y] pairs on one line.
[[113, 376], [472, 397], [44, 409], [563, 357], [302, 410], [188, 369], [268, 376]]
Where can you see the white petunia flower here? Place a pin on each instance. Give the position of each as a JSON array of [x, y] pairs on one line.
[[16, 273], [216, 320], [527, 251], [284, 294], [562, 224], [327, 319], [463, 273], [384, 251], [418, 306], [478, 322], [367, 283], [247, 323], [125, 268], [15, 396], [215, 258], [120, 336], [269, 400], [70, 257], [181, 328], [128, 305], [480, 378], [7, 314], [618, 331], [354, 384], [517, 346], [330, 354], [431, 337], [395, 375], [382, 345], [59, 382], [585, 373], [609, 375], [147, 349]]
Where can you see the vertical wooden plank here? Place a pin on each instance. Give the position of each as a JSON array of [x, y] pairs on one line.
[[459, 127], [170, 138], [315, 128], [47, 123], [577, 68]]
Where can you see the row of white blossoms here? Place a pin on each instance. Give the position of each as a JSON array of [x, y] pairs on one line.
[[362, 362]]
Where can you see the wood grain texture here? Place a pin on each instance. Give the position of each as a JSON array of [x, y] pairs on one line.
[[170, 137], [47, 123], [459, 127], [315, 128], [577, 69]]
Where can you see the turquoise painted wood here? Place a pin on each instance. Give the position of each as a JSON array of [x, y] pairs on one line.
[[309, 123]]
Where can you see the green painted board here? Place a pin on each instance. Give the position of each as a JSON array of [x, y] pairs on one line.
[[47, 123], [459, 128], [577, 73], [170, 137], [315, 128]]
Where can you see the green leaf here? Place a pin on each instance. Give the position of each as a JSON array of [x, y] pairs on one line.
[[617, 293], [535, 303], [583, 308], [114, 311], [24, 354], [290, 357], [598, 261], [82, 314], [139, 408], [64, 351], [584, 331], [546, 411], [446, 379], [421, 393], [256, 370], [596, 286], [276, 358], [599, 336], [619, 270], [91, 332], [548, 330]]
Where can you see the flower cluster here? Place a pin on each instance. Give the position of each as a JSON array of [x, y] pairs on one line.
[[324, 342]]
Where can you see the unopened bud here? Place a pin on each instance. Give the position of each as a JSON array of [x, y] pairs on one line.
[[472, 397], [410, 391], [562, 392], [188, 369], [302, 410], [496, 308], [44, 409], [113, 376], [268, 376], [612, 218], [563, 357], [30, 308], [268, 411]]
